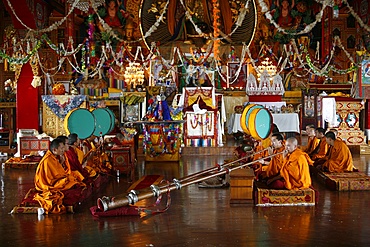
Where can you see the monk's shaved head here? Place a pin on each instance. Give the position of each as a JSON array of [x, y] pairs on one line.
[[291, 144], [292, 140]]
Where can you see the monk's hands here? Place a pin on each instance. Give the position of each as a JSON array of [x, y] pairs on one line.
[[62, 159], [285, 153], [270, 150]]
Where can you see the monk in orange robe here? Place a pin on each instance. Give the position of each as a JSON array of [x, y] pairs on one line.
[[51, 179], [76, 157], [273, 167], [312, 141], [97, 159], [339, 158], [66, 162], [295, 173], [260, 147], [321, 150]]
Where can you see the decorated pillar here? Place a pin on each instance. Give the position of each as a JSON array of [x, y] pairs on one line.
[[27, 101], [27, 111]]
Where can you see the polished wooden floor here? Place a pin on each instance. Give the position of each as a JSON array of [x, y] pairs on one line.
[[197, 217]]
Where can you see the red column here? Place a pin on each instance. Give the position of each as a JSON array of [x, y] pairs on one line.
[[27, 111], [27, 101]]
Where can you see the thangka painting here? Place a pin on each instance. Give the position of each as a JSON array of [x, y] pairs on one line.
[[236, 75], [365, 72]]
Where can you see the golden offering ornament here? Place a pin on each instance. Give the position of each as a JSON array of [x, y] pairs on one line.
[[58, 89]]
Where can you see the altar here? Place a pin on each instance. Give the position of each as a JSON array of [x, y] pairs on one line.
[[54, 110], [286, 122], [161, 140], [204, 113]]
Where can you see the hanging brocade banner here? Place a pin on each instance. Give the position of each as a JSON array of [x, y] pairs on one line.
[[60, 105]]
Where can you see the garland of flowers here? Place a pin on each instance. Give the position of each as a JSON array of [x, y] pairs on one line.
[[307, 28], [61, 51], [208, 53], [240, 19], [19, 59], [321, 72], [54, 26], [45, 70], [354, 14], [245, 49], [340, 45], [253, 61]]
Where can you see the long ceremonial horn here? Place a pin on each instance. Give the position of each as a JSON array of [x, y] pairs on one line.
[[219, 167], [107, 203]]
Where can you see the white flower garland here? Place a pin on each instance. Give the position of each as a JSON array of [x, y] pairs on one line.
[[54, 26], [362, 24], [245, 50], [238, 23], [307, 28], [338, 42]]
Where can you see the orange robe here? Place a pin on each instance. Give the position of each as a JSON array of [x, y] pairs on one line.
[[81, 156], [311, 144], [322, 150], [79, 177], [51, 179], [340, 158], [295, 170], [273, 168], [259, 150]]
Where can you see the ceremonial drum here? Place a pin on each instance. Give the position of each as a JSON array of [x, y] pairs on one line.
[[104, 121], [256, 121], [245, 116], [80, 121]]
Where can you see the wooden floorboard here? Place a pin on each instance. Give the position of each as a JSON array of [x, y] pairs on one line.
[[196, 217]]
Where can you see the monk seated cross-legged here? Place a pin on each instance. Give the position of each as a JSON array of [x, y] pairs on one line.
[[294, 173], [96, 157], [312, 141], [76, 157], [273, 166], [52, 179], [339, 158], [322, 149]]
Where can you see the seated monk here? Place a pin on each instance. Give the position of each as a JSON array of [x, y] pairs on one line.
[[76, 157], [312, 141], [118, 139], [295, 173], [65, 161], [335, 131], [260, 147], [321, 150], [97, 159], [339, 158], [51, 179], [274, 165]]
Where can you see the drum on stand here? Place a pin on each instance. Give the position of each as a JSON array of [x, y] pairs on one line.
[[104, 121], [260, 123], [80, 121], [245, 117]]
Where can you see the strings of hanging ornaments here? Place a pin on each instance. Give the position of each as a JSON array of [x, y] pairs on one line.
[[84, 5]]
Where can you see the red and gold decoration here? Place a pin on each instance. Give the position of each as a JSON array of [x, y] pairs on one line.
[[348, 117], [59, 89], [216, 30]]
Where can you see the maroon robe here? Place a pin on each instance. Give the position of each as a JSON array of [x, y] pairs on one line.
[[75, 163]]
